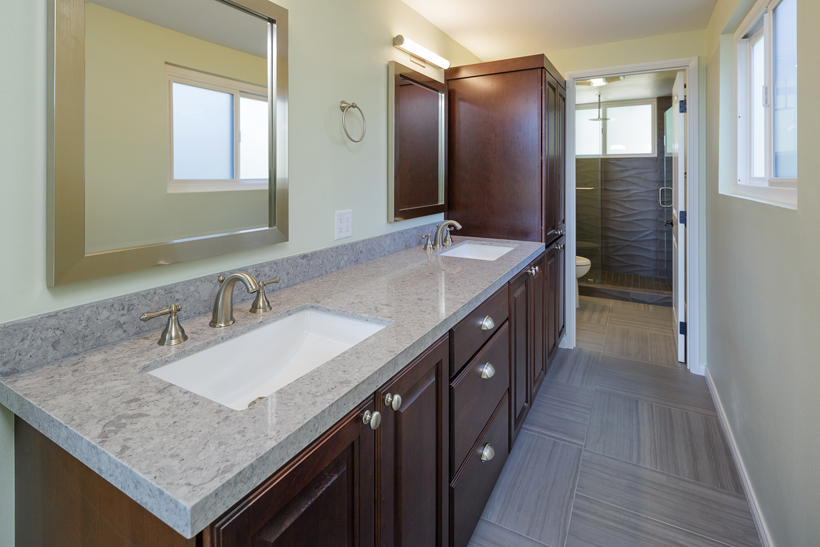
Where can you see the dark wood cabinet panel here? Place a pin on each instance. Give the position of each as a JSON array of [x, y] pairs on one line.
[[61, 502], [324, 496], [538, 316], [556, 264], [519, 351], [495, 155], [475, 393], [470, 333], [413, 453], [560, 207], [472, 487]]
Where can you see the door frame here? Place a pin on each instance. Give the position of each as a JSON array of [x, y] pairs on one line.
[[689, 65]]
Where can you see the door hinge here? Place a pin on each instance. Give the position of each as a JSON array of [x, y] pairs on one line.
[[683, 106], [682, 217], [683, 328]]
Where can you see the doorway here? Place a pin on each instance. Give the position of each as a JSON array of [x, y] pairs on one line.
[[632, 192]]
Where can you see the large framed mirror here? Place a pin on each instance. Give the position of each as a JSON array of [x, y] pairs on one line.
[[168, 127], [416, 144]]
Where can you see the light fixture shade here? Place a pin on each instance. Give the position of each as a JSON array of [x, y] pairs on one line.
[[409, 46], [597, 82]]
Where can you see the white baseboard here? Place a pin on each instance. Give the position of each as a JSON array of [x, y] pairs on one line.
[[754, 507]]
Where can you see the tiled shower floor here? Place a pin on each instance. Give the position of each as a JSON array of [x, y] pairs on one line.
[[642, 289]]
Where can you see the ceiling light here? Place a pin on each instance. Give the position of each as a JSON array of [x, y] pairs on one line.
[[415, 50], [597, 82]]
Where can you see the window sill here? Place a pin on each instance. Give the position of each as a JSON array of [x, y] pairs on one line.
[[778, 197], [202, 186]]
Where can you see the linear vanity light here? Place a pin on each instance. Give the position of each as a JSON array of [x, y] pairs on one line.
[[415, 50]]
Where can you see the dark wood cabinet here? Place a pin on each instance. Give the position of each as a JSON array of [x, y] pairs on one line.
[[413, 453], [325, 496], [528, 339], [519, 352], [555, 297], [506, 149]]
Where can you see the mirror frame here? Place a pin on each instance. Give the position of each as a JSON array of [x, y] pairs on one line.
[[68, 261], [395, 213]]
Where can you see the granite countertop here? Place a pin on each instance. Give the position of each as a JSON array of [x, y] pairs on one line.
[[187, 459]]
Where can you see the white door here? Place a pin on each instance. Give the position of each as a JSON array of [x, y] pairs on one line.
[[678, 211]]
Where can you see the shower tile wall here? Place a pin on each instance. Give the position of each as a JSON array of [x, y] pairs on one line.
[[634, 239]]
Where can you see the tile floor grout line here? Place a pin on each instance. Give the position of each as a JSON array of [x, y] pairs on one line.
[[657, 520], [636, 397]]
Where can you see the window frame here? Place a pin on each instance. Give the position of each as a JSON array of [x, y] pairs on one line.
[[239, 89], [604, 106], [758, 22]]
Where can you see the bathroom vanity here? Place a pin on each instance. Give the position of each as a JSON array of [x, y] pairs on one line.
[[397, 441]]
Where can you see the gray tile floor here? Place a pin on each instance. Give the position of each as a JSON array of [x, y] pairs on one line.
[[622, 448]]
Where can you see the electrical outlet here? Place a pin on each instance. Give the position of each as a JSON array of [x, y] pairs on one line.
[[344, 224]]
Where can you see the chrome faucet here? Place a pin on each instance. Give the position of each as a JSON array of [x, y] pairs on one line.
[[223, 305], [441, 229]]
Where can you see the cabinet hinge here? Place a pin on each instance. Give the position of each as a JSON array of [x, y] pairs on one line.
[[683, 328], [682, 217], [683, 106]]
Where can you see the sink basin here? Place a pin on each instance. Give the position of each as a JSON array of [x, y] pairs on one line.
[[478, 251], [239, 371]]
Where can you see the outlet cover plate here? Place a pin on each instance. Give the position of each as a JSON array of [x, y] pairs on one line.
[[344, 224]]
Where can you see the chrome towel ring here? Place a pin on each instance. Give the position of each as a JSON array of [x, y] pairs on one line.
[[344, 106]]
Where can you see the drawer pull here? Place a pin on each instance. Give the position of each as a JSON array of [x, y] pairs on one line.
[[487, 371], [374, 419], [392, 401], [487, 453], [487, 323]]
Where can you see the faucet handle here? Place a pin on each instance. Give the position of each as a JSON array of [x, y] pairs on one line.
[[261, 304], [174, 333], [428, 244], [448, 241]]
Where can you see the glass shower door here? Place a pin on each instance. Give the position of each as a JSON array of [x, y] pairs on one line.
[[588, 179]]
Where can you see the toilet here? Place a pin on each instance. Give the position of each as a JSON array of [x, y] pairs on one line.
[[582, 266]]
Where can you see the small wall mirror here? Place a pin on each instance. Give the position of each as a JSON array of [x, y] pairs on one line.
[[417, 155], [169, 121]]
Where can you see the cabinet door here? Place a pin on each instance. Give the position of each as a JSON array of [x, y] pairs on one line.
[[413, 451], [550, 165], [551, 327], [560, 293], [560, 159], [519, 351], [325, 496], [538, 316]]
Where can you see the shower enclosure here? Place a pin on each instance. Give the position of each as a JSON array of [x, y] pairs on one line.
[[624, 196]]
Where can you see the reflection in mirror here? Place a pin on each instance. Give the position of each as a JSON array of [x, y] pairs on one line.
[[176, 122], [416, 144]]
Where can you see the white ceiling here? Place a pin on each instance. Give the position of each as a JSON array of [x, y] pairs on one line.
[[204, 19], [632, 87], [494, 29]]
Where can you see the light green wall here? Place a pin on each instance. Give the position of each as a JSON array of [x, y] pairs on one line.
[[338, 50], [764, 298], [647, 50], [127, 201]]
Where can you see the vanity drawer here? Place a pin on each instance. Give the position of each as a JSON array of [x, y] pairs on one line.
[[471, 489], [473, 396], [471, 333]]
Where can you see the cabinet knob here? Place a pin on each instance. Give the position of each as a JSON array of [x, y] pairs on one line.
[[559, 247], [392, 401], [560, 233], [487, 453], [487, 323], [372, 418], [487, 371]]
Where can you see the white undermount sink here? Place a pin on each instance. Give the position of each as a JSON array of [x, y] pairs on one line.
[[477, 251], [241, 370]]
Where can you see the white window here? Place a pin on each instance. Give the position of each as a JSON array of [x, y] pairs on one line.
[[620, 129], [218, 133], [767, 99]]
